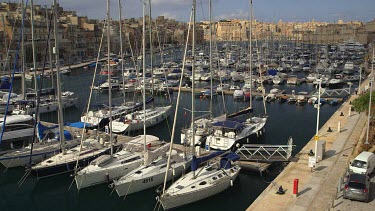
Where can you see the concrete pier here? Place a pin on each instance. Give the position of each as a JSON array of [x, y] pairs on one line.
[[317, 186]]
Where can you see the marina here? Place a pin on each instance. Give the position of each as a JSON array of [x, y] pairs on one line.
[[251, 121]]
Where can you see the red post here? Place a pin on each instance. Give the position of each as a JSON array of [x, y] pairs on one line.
[[295, 187]]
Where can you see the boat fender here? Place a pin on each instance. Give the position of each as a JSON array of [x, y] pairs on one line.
[[47, 107], [71, 102], [107, 177], [173, 172], [231, 182]]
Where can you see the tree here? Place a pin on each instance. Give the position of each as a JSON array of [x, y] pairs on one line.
[[361, 104]]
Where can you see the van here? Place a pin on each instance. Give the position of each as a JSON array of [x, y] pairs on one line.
[[364, 163]]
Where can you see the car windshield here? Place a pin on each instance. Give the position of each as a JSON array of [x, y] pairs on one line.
[[357, 185], [359, 164]]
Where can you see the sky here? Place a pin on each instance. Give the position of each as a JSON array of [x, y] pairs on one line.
[[264, 10]]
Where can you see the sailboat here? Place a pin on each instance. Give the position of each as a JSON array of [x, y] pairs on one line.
[[229, 132], [211, 179], [41, 150], [107, 168], [134, 121], [90, 148], [203, 124], [201, 182], [156, 163]]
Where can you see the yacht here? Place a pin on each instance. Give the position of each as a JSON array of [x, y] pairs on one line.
[[229, 132], [107, 168], [202, 182], [99, 119], [152, 172], [18, 131], [136, 120], [82, 155]]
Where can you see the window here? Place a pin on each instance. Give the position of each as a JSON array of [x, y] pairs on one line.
[[203, 183]]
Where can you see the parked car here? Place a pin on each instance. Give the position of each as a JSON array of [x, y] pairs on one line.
[[357, 187], [364, 163]]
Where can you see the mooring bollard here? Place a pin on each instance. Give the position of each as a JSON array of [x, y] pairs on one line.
[[339, 127], [295, 187]]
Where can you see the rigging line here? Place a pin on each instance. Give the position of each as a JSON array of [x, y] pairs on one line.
[[89, 101], [177, 104], [12, 80]]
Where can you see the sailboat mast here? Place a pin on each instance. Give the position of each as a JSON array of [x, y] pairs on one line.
[[251, 52], [193, 84], [109, 75], [144, 75], [121, 49], [57, 60], [210, 11], [23, 52], [33, 45], [50, 55], [151, 49]]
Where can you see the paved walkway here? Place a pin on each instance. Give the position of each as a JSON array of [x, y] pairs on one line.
[[317, 189]]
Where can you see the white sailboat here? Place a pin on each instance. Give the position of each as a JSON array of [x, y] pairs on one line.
[[211, 179], [107, 168], [135, 120], [89, 149], [201, 182], [153, 171]]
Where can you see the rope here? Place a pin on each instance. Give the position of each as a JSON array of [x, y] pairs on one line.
[[88, 103], [128, 190]]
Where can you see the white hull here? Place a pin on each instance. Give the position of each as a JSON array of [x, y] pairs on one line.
[[135, 181], [41, 152], [50, 107], [102, 175], [122, 127], [176, 197]]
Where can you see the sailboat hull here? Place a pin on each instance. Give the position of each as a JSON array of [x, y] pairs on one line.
[[144, 182], [67, 166], [174, 200], [103, 175]]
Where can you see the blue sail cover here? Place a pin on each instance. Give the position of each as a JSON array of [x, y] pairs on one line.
[[41, 128], [226, 160], [272, 72], [5, 83], [67, 135], [234, 125], [77, 124], [196, 161]]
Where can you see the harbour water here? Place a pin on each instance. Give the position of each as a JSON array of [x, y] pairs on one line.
[[54, 194]]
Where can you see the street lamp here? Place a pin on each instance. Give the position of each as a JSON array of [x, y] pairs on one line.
[[317, 120]]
